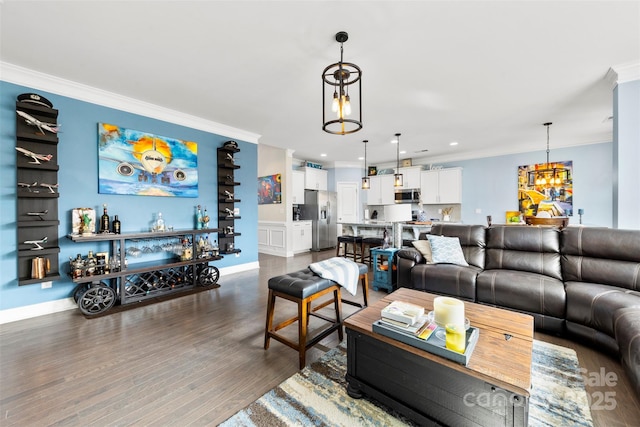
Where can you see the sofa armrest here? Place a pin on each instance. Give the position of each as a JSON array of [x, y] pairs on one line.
[[405, 260]]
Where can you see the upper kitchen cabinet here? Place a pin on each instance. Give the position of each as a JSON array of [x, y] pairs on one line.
[[441, 186], [315, 179], [411, 177], [381, 191], [297, 178]]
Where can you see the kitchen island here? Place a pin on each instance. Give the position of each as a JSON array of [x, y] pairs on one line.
[[410, 230]]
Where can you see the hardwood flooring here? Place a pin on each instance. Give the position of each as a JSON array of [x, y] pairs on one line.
[[194, 360]]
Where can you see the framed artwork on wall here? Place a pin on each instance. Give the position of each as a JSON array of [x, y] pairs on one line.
[[269, 189], [142, 164], [546, 187]]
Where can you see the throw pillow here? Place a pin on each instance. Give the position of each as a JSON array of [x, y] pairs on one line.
[[447, 250], [424, 247]]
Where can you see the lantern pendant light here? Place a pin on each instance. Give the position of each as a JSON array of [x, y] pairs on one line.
[[397, 177], [366, 181], [337, 103]]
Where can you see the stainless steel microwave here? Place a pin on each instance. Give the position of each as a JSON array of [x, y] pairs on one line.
[[407, 196]]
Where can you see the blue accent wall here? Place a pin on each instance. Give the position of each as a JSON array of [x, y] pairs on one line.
[[491, 184], [78, 179]]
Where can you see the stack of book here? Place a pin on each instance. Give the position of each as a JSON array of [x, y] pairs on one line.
[[407, 318]]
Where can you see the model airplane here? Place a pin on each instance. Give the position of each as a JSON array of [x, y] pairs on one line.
[[49, 186], [42, 126], [38, 246], [39, 214], [35, 156], [28, 186]]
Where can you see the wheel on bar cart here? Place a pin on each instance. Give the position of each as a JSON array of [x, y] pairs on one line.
[[96, 299], [208, 276]]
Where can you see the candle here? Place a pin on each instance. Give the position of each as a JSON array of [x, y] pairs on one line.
[[448, 310]]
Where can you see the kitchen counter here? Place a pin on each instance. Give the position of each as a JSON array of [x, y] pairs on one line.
[[374, 228]]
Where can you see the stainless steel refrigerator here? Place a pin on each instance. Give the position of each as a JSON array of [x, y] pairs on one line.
[[321, 208]]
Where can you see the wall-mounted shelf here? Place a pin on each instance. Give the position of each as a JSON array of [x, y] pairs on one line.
[[37, 193], [226, 198]]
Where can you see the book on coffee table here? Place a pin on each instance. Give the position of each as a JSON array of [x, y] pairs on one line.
[[434, 343], [403, 312]]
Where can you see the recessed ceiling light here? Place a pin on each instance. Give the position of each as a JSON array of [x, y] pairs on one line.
[[453, 143], [323, 155], [360, 158], [394, 141], [403, 152]]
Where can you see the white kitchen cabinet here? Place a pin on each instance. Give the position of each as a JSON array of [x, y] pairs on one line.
[[297, 178], [381, 191], [315, 179], [411, 177], [441, 186], [301, 233]]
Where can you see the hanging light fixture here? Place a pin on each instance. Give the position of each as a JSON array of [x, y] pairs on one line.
[[397, 177], [337, 79], [549, 174], [366, 181]]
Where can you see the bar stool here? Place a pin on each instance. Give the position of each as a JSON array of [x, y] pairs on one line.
[[354, 241], [302, 287], [365, 248]]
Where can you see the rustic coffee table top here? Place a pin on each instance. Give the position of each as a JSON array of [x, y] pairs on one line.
[[502, 355]]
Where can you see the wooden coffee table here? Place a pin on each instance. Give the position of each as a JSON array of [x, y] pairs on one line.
[[493, 389]]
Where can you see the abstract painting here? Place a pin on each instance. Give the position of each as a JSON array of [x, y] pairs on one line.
[[269, 189], [140, 163], [546, 187]]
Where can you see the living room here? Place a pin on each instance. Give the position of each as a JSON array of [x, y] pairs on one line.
[[602, 178]]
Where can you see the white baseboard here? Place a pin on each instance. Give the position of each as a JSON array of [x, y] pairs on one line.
[[35, 310], [50, 307]]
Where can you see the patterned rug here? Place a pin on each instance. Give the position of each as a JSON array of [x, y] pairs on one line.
[[316, 396]]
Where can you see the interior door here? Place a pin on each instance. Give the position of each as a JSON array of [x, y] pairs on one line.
[[348, 202]]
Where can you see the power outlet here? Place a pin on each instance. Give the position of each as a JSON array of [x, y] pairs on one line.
[[47, 285], [237, 254], [439, 211], [478, 210]]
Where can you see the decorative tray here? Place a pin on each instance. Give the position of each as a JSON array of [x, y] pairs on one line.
[[434, 344]]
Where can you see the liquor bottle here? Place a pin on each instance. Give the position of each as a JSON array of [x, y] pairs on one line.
[[116, 225], [160, 222], [198, 218], [91, 264], [104, 220]]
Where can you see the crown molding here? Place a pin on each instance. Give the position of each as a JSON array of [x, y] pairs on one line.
[[623, 73], [34, 79]]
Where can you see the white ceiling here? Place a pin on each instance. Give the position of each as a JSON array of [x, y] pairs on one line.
[[486, 74]]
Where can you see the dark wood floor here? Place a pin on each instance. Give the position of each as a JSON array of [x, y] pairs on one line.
[[194, 360]]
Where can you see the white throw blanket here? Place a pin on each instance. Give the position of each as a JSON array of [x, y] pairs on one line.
[[343, 271]]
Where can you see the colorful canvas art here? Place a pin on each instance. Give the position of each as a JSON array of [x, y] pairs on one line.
[[143, 164], [546, 187], [269, 189]]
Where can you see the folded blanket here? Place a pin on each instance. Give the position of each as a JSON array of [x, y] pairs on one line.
[[343, 271]]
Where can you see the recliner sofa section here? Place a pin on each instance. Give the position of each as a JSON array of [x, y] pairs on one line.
[[580, 281], [414, 272]]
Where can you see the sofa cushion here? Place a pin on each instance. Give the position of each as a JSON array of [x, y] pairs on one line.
[[593, 304], [601, 255], [524, 248], [424, 247], [472, 240], [627, 330], [523, 291], [446, 279], [446, 250]]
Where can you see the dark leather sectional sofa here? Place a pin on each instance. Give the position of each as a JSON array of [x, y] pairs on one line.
[[579, 281]]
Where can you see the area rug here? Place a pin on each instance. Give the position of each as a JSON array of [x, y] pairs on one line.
[[316, 396]]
